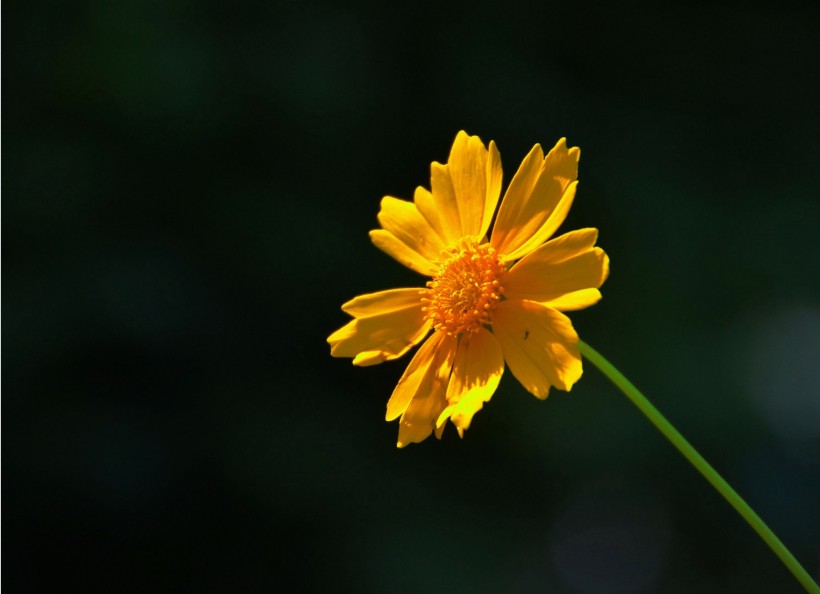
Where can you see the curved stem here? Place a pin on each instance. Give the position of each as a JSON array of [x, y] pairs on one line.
[[702, 466]]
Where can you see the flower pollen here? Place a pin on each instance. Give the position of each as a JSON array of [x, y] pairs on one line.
[[465, 290]]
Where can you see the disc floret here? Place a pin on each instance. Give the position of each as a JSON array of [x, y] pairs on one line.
[[466, 288]]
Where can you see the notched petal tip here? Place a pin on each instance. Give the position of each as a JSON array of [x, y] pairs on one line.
[[561, 147]]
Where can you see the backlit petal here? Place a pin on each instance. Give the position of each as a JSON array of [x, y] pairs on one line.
[[575, 300], [402, 219], [387, 325], [540, 345], [382, 302], [412, 379], [443, 203], [494, 177], [401, 252], [477, 369], [468, 173], [515, 198], [423, 199], [537, 201], [428, 399], [564, 246], [564, 265], [465, 191]]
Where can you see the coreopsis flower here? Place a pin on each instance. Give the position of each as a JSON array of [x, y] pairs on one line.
[[487, 301]]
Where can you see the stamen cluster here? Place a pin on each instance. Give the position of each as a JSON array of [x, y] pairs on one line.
[[464, 292]]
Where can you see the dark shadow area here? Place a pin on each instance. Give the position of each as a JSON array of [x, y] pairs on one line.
[[187, 190]]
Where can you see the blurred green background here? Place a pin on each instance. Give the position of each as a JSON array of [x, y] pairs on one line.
[[187, 192]]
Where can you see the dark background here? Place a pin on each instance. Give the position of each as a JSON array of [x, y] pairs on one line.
[[187, 192]]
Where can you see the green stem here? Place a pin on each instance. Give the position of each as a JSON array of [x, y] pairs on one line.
[[702, 465]]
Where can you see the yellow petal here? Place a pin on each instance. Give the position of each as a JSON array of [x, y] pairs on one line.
[[443, 203], [382, 302], [439, 430], [564, 265], [425, 204], [468, 172], [575, 300], [412, 378], [418, 421], [465, 191], [477, 369], [401, 252], [428, 392], [388, 324], [565, 246], [537, 201], [405, 222], [515, 198], [540, 345], [494, 177]]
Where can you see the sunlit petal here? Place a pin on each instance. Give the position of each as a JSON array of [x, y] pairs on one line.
[[477, 370], [405, 222], [537, 201], [426, 386], [540, 346], [401, 252], [387, 325], [488, 303], [565, 265]]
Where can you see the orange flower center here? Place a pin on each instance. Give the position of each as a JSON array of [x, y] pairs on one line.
[[465, 290]]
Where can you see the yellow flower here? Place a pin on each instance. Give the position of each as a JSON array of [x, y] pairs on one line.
[[488, 301]]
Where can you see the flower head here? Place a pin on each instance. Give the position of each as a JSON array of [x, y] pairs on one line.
[[488, 301]]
